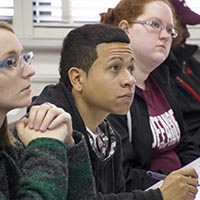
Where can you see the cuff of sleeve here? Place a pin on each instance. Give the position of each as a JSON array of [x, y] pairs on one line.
[[46, 142], [54, 147]]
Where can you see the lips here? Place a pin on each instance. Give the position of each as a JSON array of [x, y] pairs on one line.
[[26, 88], [162, 46], [128, 95]]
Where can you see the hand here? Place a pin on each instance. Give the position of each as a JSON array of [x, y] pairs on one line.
[[180, 184], [48, 121]]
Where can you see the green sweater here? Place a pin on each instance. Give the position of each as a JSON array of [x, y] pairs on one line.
[[45, 170]]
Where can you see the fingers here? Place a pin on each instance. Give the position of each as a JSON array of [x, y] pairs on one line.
[[190, 172], [192, 190], [192, 181], [20, 125], [37, 115], [47, 121], [180, 184], [63, 117], [187, 175], [177, 190], [24, 121], [47, 116]]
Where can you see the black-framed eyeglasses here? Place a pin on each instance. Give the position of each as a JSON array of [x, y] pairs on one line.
[[18, 61], [157, 26]]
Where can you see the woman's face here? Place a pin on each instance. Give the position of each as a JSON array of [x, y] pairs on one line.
[[15, 87], [151, 47]]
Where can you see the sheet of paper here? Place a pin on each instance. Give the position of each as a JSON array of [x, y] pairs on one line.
[[196, 165]]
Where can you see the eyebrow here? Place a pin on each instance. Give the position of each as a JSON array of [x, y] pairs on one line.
[[13, 53], [155, 18], [132, 60], [116, 57]]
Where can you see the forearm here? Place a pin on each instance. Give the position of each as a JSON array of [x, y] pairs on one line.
[[45, 170]]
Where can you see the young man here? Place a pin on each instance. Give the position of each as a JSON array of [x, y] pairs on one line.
[[96, 79]]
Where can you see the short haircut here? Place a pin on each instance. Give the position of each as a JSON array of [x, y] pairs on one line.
[[79, 47]]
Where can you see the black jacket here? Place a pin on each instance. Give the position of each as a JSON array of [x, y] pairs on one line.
[[185, 77], [138, 153], [110, 183]]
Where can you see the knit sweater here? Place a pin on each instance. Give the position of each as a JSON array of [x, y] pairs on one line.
[[41, 170]]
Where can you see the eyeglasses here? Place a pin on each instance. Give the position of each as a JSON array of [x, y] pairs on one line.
[[157, 26], [18, 61]]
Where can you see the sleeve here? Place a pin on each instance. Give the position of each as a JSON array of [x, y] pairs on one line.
[[81, 179], [45, 171]]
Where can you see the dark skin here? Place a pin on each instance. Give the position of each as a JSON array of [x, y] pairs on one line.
[[183, 35], [114, 68]]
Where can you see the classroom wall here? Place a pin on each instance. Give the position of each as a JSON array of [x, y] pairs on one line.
[[46, 62]]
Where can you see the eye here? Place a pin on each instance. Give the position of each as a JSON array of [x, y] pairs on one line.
[[13, 62], [28, 58], [131, 69], [115, 68], [155, 24], [171, 31]]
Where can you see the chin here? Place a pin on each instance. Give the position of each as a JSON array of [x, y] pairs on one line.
[[122, 112], [159, 61], [24, 103]]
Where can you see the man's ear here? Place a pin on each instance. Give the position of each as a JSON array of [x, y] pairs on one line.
[[76, 76], [124, 25]]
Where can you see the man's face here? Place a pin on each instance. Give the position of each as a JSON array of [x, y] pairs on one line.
[[109, 85]]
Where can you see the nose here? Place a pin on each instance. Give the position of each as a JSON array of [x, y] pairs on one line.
[[128, 80], [28, 70]]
